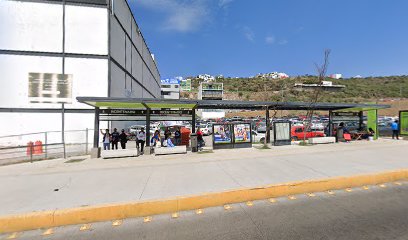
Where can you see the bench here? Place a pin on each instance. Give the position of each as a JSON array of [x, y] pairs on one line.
[[170, 150], [322, 140], [120, 153]]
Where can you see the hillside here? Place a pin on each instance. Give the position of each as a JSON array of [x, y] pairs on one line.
[[371, 89], [391, 90]]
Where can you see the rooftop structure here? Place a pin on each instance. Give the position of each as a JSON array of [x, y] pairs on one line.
[[325, 85]]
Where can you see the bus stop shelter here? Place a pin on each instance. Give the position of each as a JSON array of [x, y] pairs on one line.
[[153, 109]]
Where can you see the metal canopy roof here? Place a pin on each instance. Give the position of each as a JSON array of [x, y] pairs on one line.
[[155, 103]]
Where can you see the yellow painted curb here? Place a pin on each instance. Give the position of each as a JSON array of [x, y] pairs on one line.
[[48, 219]]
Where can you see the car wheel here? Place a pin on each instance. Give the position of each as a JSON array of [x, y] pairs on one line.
[[262, 140]]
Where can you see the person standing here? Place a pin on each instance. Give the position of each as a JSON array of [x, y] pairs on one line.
[[123, 139], [395, 129], [155, 138], [106, 139], [167, 134], [177, 137], [200, 139], [115, 139], [340, 133], [140, 140]]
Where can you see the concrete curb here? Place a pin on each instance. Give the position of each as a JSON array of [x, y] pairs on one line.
[[47, 219]]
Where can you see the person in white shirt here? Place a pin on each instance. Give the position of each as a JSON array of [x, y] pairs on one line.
[[106, 139], [140, 140]]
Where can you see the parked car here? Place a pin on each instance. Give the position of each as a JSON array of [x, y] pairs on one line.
[[297, 132], [261, 127], [317, 125], [258, 137], [206, 129]]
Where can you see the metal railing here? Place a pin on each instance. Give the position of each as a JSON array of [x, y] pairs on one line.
[[44, 145]]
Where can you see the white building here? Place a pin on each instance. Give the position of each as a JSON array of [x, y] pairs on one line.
[[170, 88], [273, 75], [336, 76], [358, 76], [185, 85], [211, 91], [53, 51], [206, 77]]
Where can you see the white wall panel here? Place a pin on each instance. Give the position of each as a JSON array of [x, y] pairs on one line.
[[136, 65], [137, 90], [118, 81], [145, 52], [145, 80], [86, 30], [23, 123], [30, 26], [129, 84], [129, 47], [14, 78], [136, 36], [122, 12], [90, 78], [117, 42]]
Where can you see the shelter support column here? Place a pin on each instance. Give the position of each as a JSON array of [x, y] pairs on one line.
[[361, 119], [268, 126], [330, 124], [96, 151], [193, 120], [148, 128]]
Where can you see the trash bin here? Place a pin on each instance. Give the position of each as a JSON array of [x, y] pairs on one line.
[[194, 142]]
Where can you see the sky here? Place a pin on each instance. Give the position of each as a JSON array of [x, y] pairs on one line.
[[241, 38]]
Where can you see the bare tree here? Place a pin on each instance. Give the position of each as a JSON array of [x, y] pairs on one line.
[[268, 124], [317, 91]]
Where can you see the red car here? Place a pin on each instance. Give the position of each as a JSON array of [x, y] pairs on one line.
[[297, 133]]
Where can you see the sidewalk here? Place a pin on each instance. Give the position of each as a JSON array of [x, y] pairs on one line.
[[54, 184]]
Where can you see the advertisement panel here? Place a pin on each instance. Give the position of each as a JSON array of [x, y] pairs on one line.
[[403, 118], [49, 88], [242, 133], [222, 134], [372, 122]]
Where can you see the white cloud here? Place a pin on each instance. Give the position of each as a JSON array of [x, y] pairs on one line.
[[180, 15], [283, 42], [270, 40], [248, 33], [224, 3]]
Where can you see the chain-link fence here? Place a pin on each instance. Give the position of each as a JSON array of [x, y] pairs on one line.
[[44, 145]]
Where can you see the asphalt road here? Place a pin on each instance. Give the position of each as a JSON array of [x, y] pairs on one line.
[[376, 213]]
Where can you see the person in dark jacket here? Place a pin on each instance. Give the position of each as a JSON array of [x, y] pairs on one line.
[[115, 139], [123, 139]]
